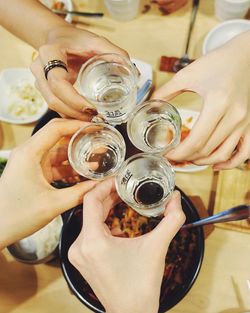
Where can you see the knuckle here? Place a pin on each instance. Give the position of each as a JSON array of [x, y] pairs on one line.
[[73, 254], [180, 217], [43, 49], [240, 114]]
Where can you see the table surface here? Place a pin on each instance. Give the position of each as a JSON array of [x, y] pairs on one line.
[[222, 283]]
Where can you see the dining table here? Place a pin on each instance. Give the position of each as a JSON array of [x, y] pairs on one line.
[[223, 283]]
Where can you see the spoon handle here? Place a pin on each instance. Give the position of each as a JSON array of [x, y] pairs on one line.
[[237, 213], [192, 20]]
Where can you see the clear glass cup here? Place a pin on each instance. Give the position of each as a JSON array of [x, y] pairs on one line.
[[109, 82], [154, 127], [123, 10], [97, 151], [146, 182]]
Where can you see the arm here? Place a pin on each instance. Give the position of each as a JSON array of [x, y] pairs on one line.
[[113, 266], [221, 135], [28, 201], [29, 20], [56, 40]]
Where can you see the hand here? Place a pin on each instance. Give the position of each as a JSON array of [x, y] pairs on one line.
[[221, 136], [123, 271], [28, 201], [72, 46], [170, 6]]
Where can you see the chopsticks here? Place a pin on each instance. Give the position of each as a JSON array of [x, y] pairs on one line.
[[86, 14]]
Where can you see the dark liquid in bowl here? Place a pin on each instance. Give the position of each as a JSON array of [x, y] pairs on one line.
[[149, 193]]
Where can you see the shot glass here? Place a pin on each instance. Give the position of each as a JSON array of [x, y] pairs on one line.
[[97, 151], [231, 9], [146, 182], [109, 82], [155, 127], [123, 10]]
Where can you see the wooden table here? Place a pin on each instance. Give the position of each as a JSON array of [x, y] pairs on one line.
[[221, 286]]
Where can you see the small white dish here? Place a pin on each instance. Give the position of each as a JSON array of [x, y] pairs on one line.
[[9, 79], [145, 81], [67, 3], [5, 154], [189, 118], [224, 32]]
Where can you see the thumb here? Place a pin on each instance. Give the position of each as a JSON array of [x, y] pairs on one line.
[[173, 219], [70, 197], [169, 90]]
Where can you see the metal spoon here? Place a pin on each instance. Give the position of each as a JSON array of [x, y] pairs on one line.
[[240, 212], [86, 14], [184, 60]]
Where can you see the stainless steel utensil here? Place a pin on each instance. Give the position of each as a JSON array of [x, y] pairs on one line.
[[78, 13], [237, 213], [185, 60]]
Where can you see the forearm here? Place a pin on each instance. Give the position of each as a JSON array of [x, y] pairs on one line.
[[29, 20]]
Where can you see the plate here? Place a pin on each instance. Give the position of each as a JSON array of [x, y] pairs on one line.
[[5, 154], [189, 118], [224, 32], [9, 79], [67, 3], [145, 80]]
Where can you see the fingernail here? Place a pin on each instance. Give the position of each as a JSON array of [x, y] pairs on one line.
[[90, 111], [137, 70]]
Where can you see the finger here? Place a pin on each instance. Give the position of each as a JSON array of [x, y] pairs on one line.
[[223, 152], [173, 219], [242, 154], [110, 202], [94, 213], [170, 90], [52, 100], [48, 136], [201, 131], [59, 78], [226, 126], [67, 198]]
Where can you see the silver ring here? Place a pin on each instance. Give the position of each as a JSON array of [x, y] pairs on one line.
[[52, 64]]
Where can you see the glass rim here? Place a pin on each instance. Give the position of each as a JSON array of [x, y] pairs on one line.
[[129, 64], [137, 111], [110, 128]]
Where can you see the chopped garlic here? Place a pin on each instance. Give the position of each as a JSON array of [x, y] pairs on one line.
[[25, 100]]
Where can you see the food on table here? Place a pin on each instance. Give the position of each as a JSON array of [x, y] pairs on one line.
[[58, 5], [3, 163], [24, 100]]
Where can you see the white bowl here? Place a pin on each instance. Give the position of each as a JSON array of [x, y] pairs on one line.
[[8, 79], [67, 3], [224, 32]]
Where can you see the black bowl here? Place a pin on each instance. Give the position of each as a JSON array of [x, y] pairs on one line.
[[192, 243]]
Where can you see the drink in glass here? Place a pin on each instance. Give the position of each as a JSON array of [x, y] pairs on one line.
[[146, 182], [96, 151], [109, 82]]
